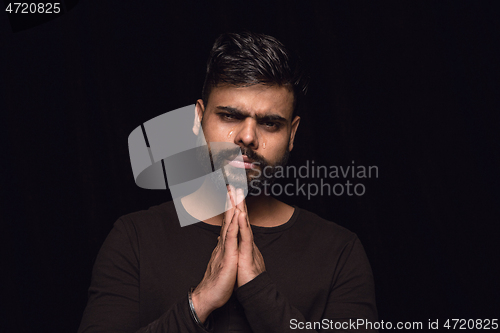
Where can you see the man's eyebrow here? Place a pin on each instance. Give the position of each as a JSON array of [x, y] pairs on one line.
[[241, 113]]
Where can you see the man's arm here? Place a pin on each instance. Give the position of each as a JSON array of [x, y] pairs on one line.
[[351, 296], [114, 293], [220, 276], [113, 304]]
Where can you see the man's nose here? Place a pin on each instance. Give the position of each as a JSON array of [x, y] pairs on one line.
[[246, 134]]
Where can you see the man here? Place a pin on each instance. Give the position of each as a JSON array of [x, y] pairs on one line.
[[271, 267]]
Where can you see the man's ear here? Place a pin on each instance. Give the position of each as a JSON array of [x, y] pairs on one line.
[[198, 116], [295, 125]]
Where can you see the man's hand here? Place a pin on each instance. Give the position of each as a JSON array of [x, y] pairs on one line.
[[231, 264], [250, 260], [220, 277]]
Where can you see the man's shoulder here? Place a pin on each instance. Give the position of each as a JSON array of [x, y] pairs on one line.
[[162, 215], [165, 209], [311, 223]]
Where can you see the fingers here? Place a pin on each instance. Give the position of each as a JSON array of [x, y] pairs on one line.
[[240, 200], [232, 194], [246, 235], [231, 242], [227, 216], [231, 200]]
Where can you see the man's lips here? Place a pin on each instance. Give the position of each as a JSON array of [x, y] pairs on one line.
[[246, 164]]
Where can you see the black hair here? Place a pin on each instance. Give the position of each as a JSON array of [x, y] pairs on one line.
[[245, 59]]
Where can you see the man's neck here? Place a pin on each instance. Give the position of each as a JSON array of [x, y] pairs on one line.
[[267, 211], [263, 210]]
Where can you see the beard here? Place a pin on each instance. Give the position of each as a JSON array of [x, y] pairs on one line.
[[238, 177], [255, 176]]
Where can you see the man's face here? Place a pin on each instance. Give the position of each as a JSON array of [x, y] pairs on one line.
[[258, 119]]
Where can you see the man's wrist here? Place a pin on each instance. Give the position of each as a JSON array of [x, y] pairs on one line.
[[254, 287], [199, 311]]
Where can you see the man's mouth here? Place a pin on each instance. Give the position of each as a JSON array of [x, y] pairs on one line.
[[245, 164]]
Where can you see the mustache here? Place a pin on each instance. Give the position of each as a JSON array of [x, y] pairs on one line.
[[231, 154]]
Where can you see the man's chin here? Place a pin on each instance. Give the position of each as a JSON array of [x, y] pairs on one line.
[[252, 179], [237, 182]]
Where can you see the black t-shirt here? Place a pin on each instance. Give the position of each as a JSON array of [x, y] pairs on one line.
[[316, 274]]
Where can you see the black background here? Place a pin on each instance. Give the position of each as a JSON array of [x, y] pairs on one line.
[[410, 87]]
